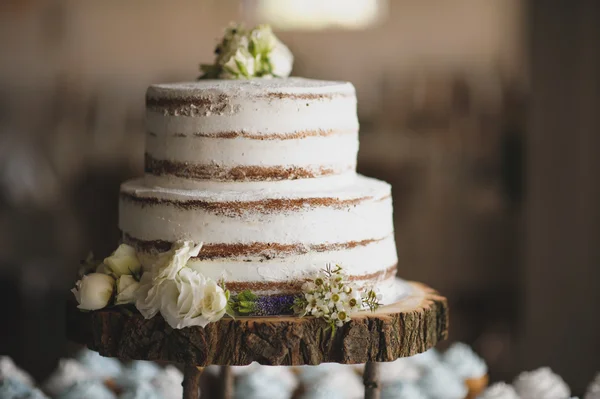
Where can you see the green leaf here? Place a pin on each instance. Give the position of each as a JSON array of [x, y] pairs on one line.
[[247, 295], [210, 71], [247, 304], [242, 68], [252, 48]]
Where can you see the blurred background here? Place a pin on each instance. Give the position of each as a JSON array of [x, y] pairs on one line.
[[482, 114]]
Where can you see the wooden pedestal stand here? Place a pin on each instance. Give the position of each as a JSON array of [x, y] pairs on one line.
[[410, 326]]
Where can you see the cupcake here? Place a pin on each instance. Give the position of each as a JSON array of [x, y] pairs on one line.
[[310, 374], [8, 369], [426, 359], [99, 366], [402, 390], [88, 389], [168, 383], [13, 388], [593, 391], [541, 383], [470, 367], [340, 384], [143, 390], [439, 382], [135, 373], [258, 382], [69, 371], [402, 369], [500, 390]]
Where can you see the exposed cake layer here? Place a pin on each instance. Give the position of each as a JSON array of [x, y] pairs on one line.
[[268, 240], [251, 130]]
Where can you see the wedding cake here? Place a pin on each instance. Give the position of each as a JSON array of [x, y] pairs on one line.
[[250, 203], [262, 172]]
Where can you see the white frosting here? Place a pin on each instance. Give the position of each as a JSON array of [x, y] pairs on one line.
[[427, 359], [541, 383], [168, 382], [369, 220], [8, 369], [593, 391], [308, 225], [249, 88], [69, 372], [99, 366], [302, 266], [402, 390], [244, 107], [336, 152], [464, 362], [500, 390], [265, 382], [294, 124], [331, 381], [439, 382], [402, 369]]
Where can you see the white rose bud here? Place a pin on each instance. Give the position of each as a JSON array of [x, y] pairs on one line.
[[126, 289], [123, 261], [262, 40], [94, 291], [214, 301]]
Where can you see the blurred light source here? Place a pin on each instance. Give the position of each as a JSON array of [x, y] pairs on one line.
[[319, 14]]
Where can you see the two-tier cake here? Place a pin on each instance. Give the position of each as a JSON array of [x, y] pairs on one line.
[[263, 173]]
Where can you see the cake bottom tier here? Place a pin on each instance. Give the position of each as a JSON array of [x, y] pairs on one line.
[[267, 241]]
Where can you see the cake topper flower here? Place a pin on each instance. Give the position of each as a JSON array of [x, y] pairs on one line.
[[245, 54]]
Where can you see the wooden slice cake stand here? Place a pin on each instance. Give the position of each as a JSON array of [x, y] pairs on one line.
[[405, 328]]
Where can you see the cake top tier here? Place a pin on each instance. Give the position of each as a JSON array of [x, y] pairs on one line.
[[251, 130], [298, 88]]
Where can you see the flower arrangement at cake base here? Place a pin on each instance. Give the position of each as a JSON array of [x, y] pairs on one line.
[[185, 298]]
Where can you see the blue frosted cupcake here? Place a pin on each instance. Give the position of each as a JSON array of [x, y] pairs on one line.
[[439, 382], [8, 369], [402, 390], [264, 382], [136, 373], [99, 366], [461, 359], [168, 383], [90, 389], [142, 390], [69, 371], [11, 388], [541, 383]]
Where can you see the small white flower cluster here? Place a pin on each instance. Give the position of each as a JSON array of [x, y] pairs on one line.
[[333, 297], [180, 294]]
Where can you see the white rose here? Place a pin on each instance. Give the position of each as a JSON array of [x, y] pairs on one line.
[[171, 262], [168, 266], [181, 299], [94, 291], [240, 64], [214, 302], [147, 296], [123, 261], [126, 289], [281, 60]]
